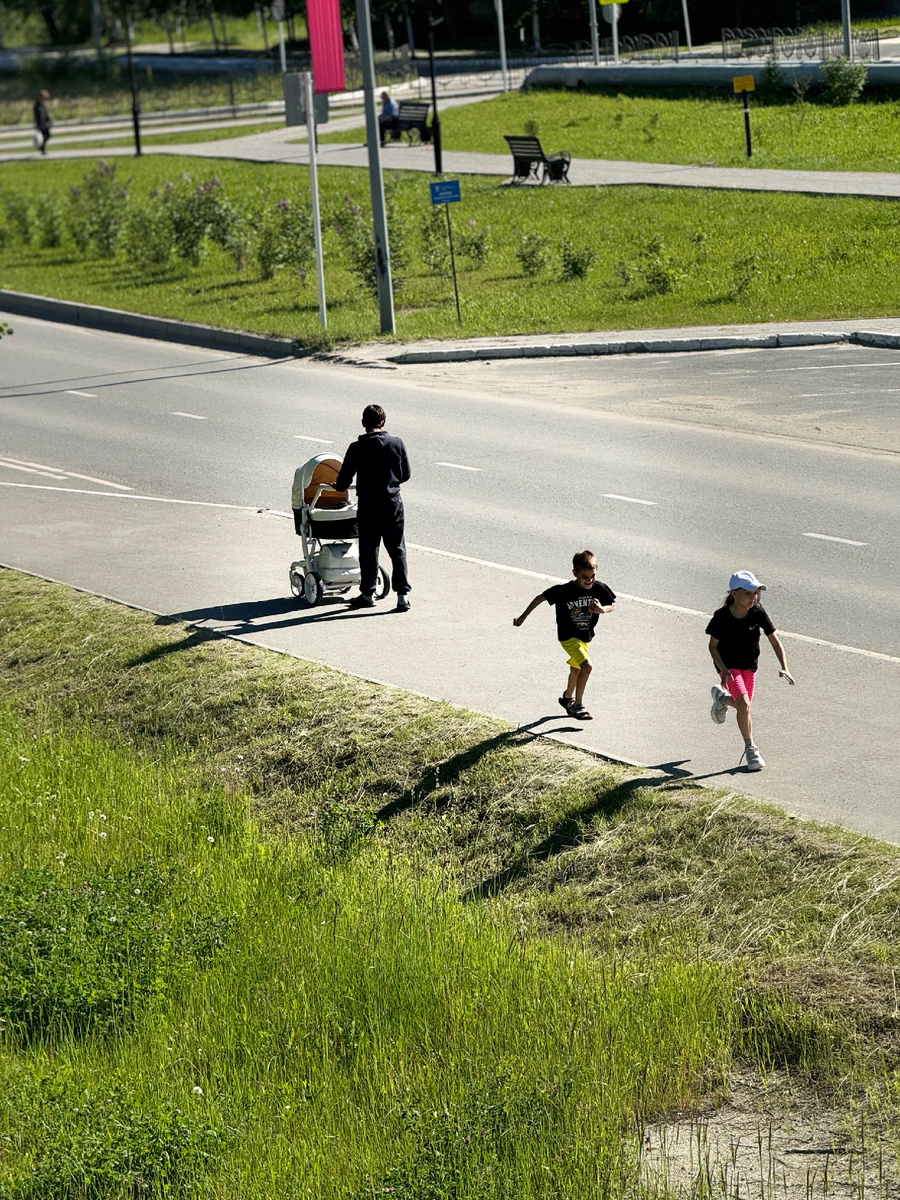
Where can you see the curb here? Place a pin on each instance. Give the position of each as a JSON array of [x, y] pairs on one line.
[[889, 341], [164, 329]]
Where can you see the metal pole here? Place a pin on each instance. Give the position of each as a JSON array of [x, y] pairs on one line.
[[453, 264], [135, 99], [435, 119], [746, 96], [687, 26], [95, 25], [281, 47], [314, 187], [498, 6], [615, 32], [845, 21], [376, 182], [595, 37]]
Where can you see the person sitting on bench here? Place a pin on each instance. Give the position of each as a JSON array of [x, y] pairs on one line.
[[390, 112]]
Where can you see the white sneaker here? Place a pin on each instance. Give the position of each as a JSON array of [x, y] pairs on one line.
[[719, 710], [755, 761]]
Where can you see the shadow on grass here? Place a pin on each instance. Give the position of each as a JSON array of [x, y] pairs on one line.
[[248, 617], [568, 834]]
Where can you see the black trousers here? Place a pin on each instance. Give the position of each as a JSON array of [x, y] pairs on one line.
[[377, 523]]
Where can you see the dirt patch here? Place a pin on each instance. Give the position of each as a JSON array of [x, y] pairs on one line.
[[772, 1141]]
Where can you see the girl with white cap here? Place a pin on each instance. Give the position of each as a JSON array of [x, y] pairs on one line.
[[734, 645]]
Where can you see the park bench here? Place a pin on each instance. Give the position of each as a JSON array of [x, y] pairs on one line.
[[528, 156], [412, 119]]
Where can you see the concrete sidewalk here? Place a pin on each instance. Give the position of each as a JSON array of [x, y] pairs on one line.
[[828, 758]]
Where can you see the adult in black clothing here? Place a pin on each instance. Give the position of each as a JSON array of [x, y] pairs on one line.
[[380, 464], [42, 118]]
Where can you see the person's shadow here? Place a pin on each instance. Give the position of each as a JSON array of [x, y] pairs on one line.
[[250, 616]]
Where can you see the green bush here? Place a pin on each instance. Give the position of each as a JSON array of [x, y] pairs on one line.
[[435, 247], [18, 214], [576, 260], [770, 83], [147, 236], [652, 272], [475, 244], [354, 227], [844, 80], [97, 210], [533, 253], [49, 221], [286, 239]]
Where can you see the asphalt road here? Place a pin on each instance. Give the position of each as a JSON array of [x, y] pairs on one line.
[[516, 474]]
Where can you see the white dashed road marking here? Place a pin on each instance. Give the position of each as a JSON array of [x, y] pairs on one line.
[[302, 437], [10, 466], [457, 467], [627, 499], [87, 395], [193, 416], [827, 537]]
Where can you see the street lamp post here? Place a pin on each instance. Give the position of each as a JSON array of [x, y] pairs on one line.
[[135, 99], [845, 21], [383, 280], [433, 23]]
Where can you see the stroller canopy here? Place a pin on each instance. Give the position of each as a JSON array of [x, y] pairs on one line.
[[321, 469]]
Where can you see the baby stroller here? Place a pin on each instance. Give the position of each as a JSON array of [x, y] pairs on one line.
[[325, 521]]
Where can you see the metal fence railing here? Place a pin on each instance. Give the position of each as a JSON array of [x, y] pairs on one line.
[[811, 44]]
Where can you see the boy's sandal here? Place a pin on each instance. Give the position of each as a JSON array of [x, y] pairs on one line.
[[580, 713]]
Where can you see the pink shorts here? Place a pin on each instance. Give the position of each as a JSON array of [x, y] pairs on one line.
[[741, 683]]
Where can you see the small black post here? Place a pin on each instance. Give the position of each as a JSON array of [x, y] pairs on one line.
[[435, 119], [231, 94], [135, 99], [453, 263], [746, 96]]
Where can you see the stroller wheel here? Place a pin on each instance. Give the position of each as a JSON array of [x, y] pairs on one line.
[[384, 584], [296, 578], [312, 589]]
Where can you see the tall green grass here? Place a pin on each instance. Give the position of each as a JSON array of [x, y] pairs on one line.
[[319, 1017]]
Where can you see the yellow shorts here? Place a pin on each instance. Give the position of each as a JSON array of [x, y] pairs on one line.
[[577, 651]]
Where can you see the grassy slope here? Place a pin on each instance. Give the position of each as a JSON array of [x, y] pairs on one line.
[[730, 257], [628, 867], [669, 128]]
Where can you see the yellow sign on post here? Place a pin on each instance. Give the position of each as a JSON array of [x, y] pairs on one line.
[[602, 2], [744, 83]]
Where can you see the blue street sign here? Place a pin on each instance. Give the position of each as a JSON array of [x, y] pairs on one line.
[[446, 192]]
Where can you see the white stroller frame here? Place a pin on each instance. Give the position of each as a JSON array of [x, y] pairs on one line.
[[325, 521]]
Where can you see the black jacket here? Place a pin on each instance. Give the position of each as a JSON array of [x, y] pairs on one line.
[[380, 464], [41, 116]]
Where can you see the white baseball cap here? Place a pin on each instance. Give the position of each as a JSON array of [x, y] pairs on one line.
[[746, 580]]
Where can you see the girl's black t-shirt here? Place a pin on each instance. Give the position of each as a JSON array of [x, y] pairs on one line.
[[738, 637], [572, 602]]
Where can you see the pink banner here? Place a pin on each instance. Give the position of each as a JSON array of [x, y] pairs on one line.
[[326, 41]]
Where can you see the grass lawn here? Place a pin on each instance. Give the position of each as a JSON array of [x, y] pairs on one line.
[[266, 929], [667, 127], [662, 257]]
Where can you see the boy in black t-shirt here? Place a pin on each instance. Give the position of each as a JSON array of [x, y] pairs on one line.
[[734, 632], [578, 607]]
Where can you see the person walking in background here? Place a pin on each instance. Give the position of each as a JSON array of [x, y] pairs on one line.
[[42, 120], [387, 119], [380, 463], [734, 645], [578, 607]]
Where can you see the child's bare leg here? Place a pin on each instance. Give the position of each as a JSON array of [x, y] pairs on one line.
[[573, 681], [742, 709], [583, 674]]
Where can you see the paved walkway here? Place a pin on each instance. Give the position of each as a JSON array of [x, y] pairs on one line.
[[289, 146]]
